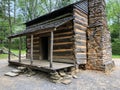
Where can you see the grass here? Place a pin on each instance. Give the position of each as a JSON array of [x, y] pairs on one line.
[[17, 51], [5, 56], [115, 56]]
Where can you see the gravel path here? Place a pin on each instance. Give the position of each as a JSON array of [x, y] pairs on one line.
[[87, 80]]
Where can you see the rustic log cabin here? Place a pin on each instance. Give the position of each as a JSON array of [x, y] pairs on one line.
[[71, 36]]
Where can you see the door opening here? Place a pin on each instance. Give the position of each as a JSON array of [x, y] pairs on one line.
[[44, 47]]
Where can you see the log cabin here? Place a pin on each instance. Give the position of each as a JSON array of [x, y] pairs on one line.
[[68, 37]]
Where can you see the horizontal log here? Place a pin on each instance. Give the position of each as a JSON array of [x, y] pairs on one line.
[[79, 12], [34, 58], [66, 53], [34, 43], [62, 47], [81, 23], [80, 50], [62, 57], [81, 61], [83, 19], [80, 18], [64, 27], [80, 27], [78, 31], [34, 46], [79, 40], [80, 37], [63, 50], [34, 55], [34, 51], [63, 38], [80, 43], [63, 30], [34, 38], [63, 34], [63, 43], [77, 46], [80, 55]]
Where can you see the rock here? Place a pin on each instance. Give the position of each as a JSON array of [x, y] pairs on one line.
[[77, 70], [21, 68], [11, 74], [74, 76], [16, 71], [62, 73], [66, 81], [56, 77], [72, 69], [29, 75], [54, 73], [32, 73], [68, 77], [56, 81]]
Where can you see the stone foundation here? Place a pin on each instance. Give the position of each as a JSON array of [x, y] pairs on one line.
[[99, 39]]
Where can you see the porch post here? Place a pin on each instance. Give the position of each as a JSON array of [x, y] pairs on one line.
[[20, 46], [51, 50], [9, 51], [31, 59]]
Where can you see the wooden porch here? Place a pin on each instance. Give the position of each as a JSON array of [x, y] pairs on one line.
[[42, 65]]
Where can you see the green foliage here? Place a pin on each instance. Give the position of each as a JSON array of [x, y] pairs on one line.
[[113, 16], [116, 47]]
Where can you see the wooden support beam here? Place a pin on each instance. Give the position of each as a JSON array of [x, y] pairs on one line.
[[51, 50], [31, 59], [20, 47], [9, 52]]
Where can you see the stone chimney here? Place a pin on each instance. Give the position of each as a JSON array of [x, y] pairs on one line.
[[99, 39]]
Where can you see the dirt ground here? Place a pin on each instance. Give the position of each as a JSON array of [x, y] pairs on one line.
[[87, 80]]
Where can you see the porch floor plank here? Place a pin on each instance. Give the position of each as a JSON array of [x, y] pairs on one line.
[[42, 64]]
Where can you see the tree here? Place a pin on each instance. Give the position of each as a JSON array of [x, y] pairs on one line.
[[113, 15]]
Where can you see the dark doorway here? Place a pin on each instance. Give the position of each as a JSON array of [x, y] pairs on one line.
[[44, 47]]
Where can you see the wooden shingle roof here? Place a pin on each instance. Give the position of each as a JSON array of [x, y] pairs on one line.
[[42, 27]]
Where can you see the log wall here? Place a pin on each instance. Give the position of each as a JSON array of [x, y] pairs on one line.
[[63, 43], [36, 47], [80, 27]]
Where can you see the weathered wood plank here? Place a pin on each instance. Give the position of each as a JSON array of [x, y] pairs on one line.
[[62, 50], [31, 59], [51, 50], [82, 50], [66, 53], [20, 47], [80, 55], [62, 43], [63, 47], [80, 27], [81, 23], [79, 12], [80, 43], [62, 57], [9, 51], [63, 37], [63, 40], [34, 43]]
